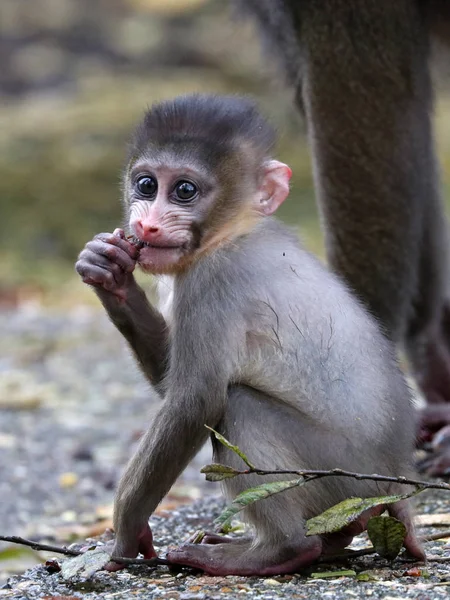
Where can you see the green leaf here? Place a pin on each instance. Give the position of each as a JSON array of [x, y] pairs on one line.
[[387, 536], [333, 574], [367, 576], [237, 528], [230, 446], [340, 515], [197, 537], [225, 528], [254, 494], [86, 564], [217, 472]]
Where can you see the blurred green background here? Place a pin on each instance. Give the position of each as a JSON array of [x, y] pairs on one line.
[[76, 75]]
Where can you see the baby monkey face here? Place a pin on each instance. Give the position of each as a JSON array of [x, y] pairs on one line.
[[168, 204], [199, 176], [179, 210]]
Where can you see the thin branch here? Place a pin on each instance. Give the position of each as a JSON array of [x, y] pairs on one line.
[[150, 562], [317, 474], [153, 562], [435, 536], [346, 555], [14, 539]]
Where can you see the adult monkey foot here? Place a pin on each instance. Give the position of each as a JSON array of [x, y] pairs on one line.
[[434, 420], [219, 555], [244, 557]]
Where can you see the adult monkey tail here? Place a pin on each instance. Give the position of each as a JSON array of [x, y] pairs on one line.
[[360, 69]]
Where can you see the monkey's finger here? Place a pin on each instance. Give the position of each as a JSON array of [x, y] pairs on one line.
[[435, 465], [434, 417], [401, 511], [146, 543], [115, 240], [96, 276], [113, 253], [215, 538], [92, 258], [441, 439], [119, 232], [112, 566]]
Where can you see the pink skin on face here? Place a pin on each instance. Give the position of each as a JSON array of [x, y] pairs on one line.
[[164, 229], [164, 233]]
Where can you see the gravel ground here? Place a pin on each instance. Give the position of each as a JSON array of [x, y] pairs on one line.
[[66, 383]]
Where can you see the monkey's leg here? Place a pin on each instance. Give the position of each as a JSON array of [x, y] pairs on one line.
[[276, 436], [367, 98], [368, 108], [427, 339], [280, 544]]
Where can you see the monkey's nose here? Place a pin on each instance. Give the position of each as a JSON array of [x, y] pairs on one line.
[[146, 229]]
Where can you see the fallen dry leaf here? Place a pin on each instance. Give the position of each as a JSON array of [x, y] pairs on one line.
[[413, 572], [433, 519]]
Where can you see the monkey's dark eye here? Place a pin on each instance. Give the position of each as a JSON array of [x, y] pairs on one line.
[[147, 186], [185, 191]]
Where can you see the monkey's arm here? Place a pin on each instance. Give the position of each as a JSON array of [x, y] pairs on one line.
[[175, 436], [107, 263], [197, 383], [143, 327]]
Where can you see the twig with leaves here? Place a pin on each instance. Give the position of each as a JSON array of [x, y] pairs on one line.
[[387, 534], [218, 472]]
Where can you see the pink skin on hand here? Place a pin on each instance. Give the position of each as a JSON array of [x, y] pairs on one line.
[[145, 547], [109, 263]]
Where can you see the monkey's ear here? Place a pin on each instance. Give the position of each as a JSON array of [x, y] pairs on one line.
[[274, 187]]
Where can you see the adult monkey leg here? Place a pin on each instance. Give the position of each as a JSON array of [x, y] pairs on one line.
[[369, 111], [367, 98], [362, 80]]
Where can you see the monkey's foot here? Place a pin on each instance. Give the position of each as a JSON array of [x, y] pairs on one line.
[[143, 545], [335, 543], [432, 419], [433, 376], [244, 557], [435, 426], [436, 464], [434, 430]]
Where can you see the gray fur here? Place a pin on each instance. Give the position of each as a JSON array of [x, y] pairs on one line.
[[254, 337], [292, 369]]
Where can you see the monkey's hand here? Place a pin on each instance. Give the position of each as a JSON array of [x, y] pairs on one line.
[[107, 263], [143, 544]]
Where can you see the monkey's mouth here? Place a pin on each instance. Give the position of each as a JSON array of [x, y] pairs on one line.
[[156, 245], [160, 246], [159, 258]]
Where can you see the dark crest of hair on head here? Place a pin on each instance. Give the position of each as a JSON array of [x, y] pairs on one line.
[[214, 124]]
